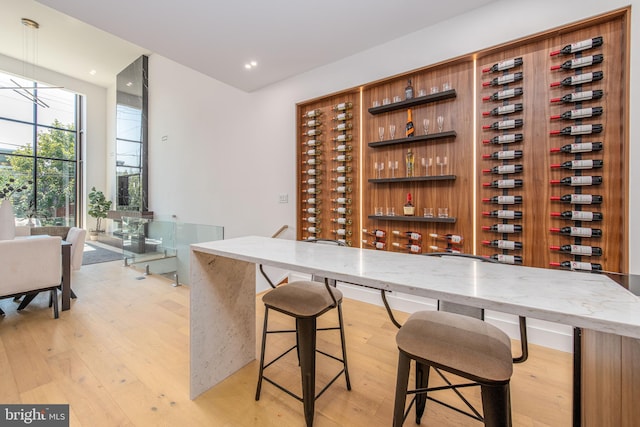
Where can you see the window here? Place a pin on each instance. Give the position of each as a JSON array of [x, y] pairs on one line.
[[39, 150]]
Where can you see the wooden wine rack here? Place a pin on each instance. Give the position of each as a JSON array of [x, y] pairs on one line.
[[458, 186]]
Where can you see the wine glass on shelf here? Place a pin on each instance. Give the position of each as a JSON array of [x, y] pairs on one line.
[[427, 163], [425, 126], [381, 132], [440, 123], [379, 167], [392, 131], [441, 164], [393, 165]]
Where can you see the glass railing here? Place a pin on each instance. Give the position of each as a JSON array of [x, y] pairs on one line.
[[162, 246]]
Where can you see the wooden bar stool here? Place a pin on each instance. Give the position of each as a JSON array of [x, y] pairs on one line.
[[305, 301], [463, 346]]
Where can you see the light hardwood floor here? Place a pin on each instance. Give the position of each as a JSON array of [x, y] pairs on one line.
[[120, 357]]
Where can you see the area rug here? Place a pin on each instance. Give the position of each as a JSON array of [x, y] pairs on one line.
[[94, 254]]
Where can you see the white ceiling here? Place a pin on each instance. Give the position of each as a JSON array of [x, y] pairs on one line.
[[216, 38]]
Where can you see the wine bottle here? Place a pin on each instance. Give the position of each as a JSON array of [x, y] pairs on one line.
[[342, 200], [409, 130], [313, 181], [506, 259], [578, 130], [312, 113], [408, 91], [578, 250], [342, 189], [586, 95], [505, 109], [342, 126], [579, 164], [505, 124], [578, 231], [579, 46], [504, 169], [447, 250], [312, 201], [313, 211], [579, 199], [409, 209], [504, 155], [451, 238], [413, 248], [312, 143], [342, 138], [342, 117], [377, 233], [576, 265], [579, 215], [341, 232], [503, 183], [315, 230], [581, 113], [579, 79], [312, 162], [582, 62], [343, 148], [314, 152], [345, 241], [342, 169], [504, 94], [410, 162], [312, 132], [312, 219], [312, 123], [342, 179], [375, 244], [411, 235], [503, 65], [503, 214], [504, 200], [503, 228], [343, 221], [504, 139], [577, 181], [579, 147], [341, 210], [342, 158], [503, 244], [505, 79], [343, 106], [312, 190], [314, 172]]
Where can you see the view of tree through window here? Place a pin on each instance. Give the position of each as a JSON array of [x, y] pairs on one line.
[[38, 143]]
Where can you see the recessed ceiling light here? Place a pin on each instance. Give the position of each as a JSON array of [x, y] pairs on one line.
[[129, 84], [254, 63], [93, 72], [250, 65], [247, 66]]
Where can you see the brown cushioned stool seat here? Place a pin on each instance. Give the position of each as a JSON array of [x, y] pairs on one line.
[[301, 298], [464, 346]]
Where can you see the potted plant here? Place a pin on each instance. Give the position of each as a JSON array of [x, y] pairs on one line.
[[98, 208]]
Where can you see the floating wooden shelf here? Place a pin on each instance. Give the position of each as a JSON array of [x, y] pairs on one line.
[[418, 138], [411, 218], [440, 96], [415, 178]]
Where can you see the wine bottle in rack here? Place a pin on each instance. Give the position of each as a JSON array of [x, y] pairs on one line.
[[411, 235], [342, 221], [342, 158], [375, 244], [505, 259], [342, 189], [408, 91], [312, 113], [503, 228], [341, 232], [313, 172], [377, 233], [581, 113], [312, 211], [579, 79], [504, 94], [342, 117], [577, 231], [345, 241], [576, 265], [409, 209], [312, 190], [579, 46], [411, 247], [503, 244], [342, 126], [505, 79], [579, 147], [578, 164], [342, 138], [341, 210], [446, 250], [342, 179], [578, 130], [409, 129], [451, 238], [342, 169], [505, 124], [504, 200], [315, 230], [584, 61], [504, 139], [312, 123], [342, 200], [504, 183], [503, 65], [313, 181], [312, 143], [312, 219], [312, 201], [503, 214], [578, 181], [342, 148], [504, 169], [505, 109], [578, 250], [314, 152], [312, 162], [579, 199], [343, 106], [579, 215], [586, 95], [312, 132], [504, 155]]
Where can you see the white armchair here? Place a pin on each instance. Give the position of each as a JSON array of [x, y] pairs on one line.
[[30, 264]]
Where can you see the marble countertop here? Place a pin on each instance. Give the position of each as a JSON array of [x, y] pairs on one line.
[[591, 301]]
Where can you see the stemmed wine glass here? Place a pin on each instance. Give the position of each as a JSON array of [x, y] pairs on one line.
[[440, 123], [441, 164], [392, 131], [427, 164], [425, 126], [381, 132]]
